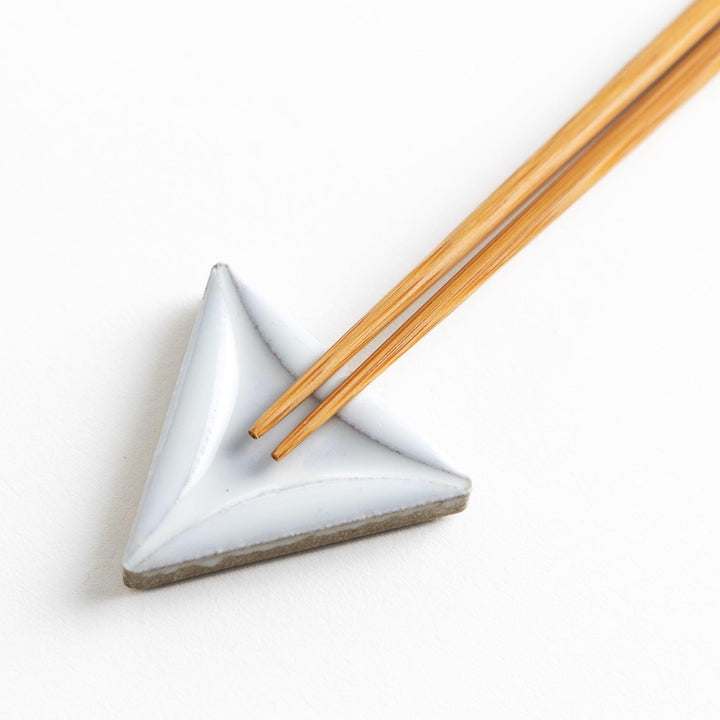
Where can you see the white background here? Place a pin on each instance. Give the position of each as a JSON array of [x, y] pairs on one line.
[[321, 149]]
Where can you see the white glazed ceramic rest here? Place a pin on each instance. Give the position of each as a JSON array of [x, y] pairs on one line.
[[214, 498]]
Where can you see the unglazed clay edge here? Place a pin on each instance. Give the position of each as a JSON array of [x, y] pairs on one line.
[[295, 543]]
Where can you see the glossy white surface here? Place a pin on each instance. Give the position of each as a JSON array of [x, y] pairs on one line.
[[212, 488]]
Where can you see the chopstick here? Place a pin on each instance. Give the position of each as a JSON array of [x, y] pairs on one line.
[[632, 126], [666, 49]]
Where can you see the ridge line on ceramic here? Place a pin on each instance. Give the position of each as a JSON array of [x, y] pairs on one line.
[[354, 413], [214, 498]]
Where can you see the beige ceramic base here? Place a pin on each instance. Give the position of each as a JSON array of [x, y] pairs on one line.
[[285, 546]]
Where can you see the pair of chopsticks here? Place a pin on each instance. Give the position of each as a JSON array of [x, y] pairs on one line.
[[656, 82]]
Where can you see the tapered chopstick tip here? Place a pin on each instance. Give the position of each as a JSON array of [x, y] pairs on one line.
[[264, 423]]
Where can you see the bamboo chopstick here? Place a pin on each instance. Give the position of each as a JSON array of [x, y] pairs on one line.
[[668, 93], [671, 44]]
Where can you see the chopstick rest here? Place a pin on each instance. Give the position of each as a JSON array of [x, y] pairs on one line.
[[214, 498]]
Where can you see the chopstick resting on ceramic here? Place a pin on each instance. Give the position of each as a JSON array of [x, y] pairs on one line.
[[652, 107], [665, 50]]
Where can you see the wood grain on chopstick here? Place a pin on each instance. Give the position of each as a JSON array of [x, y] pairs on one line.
[[669, 92], [633, 79]]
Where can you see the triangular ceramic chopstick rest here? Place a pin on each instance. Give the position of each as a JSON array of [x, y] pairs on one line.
[[214, 498]]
